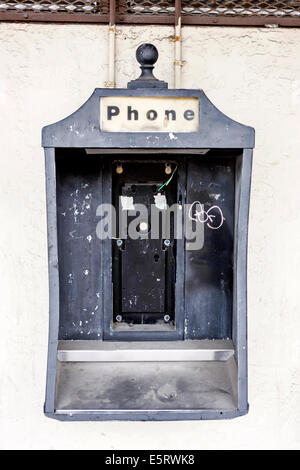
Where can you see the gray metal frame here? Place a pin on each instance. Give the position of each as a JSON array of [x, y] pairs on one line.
[[81, 130]]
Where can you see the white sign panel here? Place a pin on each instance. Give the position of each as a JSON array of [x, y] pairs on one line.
[[148, 114]]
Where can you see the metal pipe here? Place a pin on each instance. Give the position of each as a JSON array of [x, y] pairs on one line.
[[177, 39], [111, 83]]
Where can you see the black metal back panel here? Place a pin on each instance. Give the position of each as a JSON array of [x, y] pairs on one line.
[[209, 271], [143, 268], [79, 250]]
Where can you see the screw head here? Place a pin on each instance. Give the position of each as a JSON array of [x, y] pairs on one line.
[[167, 243], [119, 242], [167, 318], [119, 169], [168, 169], [119, 318]]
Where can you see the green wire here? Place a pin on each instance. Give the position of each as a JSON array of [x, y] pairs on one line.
[[168, 181]]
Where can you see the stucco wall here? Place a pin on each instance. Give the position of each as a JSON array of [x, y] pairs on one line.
[[253, 75]]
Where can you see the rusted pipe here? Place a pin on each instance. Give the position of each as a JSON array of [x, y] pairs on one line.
[[111, 83], [177, 40]]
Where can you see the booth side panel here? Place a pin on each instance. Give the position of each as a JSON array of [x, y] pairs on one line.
[[53, 278], [243, 184]]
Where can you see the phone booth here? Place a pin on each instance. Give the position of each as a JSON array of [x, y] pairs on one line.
[[147, 202]]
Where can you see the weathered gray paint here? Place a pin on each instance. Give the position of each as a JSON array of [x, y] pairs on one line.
[[81, 130], [53, 278], [240, 293]]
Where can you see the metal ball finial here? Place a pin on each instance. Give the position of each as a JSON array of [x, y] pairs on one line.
[[146, 54]]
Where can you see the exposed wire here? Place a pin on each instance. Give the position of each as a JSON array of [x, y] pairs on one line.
[[168, 181]]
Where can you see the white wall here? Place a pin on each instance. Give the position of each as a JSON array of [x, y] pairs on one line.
[[253, 75]]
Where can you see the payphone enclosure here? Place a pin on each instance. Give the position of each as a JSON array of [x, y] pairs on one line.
[[147, 202]]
